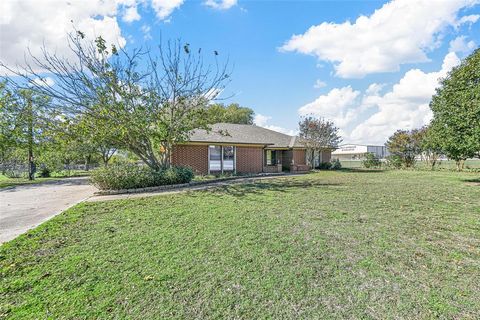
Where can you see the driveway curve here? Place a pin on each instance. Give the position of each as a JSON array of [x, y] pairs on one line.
[[25, 207]]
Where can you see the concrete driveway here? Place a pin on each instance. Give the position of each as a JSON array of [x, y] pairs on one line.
[[25, 207]]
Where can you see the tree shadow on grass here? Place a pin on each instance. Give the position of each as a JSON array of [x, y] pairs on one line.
[[74, 181], [475, 181], [361, 170], [263, 186]]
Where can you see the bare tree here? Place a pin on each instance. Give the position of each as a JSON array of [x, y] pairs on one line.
[[152, 99]]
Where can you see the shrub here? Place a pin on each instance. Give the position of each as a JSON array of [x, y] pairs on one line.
[[324, 166], [132, 176], [45, 172], [336, 165], [371, 161], [394, 161], [14, 174]]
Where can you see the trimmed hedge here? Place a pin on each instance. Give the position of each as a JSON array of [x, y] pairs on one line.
[[132, 176]]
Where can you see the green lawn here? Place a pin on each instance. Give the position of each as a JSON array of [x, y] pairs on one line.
[[379, 245], [471, 164], [10, 182]]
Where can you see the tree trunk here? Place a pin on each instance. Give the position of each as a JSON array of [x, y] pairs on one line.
[[87, 162], [31, 163]]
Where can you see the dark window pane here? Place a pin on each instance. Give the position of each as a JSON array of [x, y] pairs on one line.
[[215, 152]]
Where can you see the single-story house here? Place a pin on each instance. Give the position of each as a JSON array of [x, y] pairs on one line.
[[241, 148]]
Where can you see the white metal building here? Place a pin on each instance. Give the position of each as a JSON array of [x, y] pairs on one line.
[[358, 152]]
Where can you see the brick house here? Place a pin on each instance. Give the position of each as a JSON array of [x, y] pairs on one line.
[[241, 148]]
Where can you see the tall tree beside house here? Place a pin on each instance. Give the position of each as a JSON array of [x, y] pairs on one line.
[[456, 111], [152, 99], [318, 134], [232, 113], [405, 144]]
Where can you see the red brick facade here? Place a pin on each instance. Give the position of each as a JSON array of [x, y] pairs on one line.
[[249, 159], [299, 156], [195, 157]]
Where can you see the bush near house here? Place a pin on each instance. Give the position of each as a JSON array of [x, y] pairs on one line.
[[333, 165], [371, 161], [132, 176]]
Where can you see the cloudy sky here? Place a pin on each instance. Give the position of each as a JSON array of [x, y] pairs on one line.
[[371, 66]]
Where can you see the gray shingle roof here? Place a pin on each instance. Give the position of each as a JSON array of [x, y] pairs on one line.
[[244, 134]]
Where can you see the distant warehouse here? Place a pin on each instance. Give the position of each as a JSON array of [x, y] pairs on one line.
[[357, 152]]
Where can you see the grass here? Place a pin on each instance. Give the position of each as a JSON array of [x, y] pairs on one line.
[[350, 244], [11, 182], [471, 164]]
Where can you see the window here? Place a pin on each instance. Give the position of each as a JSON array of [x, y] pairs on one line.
[[221, 159], [215, 160], [228, 158], [271, 157]]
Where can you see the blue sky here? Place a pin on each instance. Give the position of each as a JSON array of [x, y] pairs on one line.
[[375, 74]]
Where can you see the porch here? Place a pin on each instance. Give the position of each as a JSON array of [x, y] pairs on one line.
[[284, 160]]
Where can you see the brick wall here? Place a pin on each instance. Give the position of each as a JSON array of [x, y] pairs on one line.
[[249, 159], [192, 156], [299, 156]]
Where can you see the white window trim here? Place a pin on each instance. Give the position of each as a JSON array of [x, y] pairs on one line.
[[221, 157]]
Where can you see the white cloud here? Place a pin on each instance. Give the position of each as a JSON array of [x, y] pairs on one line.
[[460, 44], [319, 84], [131, 14], [469, 19], [374, 89], [262, 121], [30, 24], [164, 8], [337, 105], [220, 4], [372, 116], [400, 32], [405, 106], [146, 32]]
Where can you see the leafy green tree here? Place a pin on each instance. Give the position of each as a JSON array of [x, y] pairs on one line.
[[232, 113], [430, 146], [405, 145], [318, 134], [7, 126], [456, 111], [95, 136], [25, 117], [371, 161]]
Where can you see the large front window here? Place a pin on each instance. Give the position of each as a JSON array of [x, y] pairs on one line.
[[221, 159]]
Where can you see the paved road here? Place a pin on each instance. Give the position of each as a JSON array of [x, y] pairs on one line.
[[25, 207]]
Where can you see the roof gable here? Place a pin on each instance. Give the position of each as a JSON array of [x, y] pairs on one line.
[[244, 134]]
